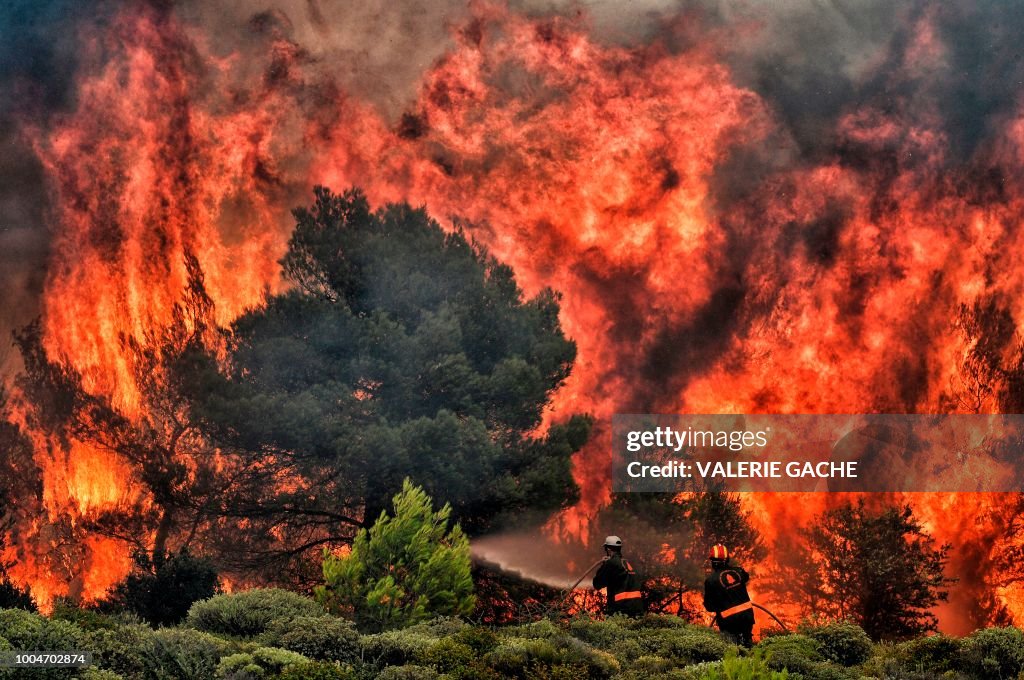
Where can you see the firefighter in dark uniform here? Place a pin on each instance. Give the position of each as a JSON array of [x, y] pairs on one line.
[[622, 584], [725, 594]]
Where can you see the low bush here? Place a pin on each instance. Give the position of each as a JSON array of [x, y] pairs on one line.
[[796, 653], [752, 667], [19, 627], [538, 630], [993, 653], [514, 656], [447, 655], [184, 654], [651, 666], [94, 673], [249, 613], [479, 639], [408, 672], [603, 634], [326, 638], [843, 643], [86, 619], [934, 654], [262, 662], [316, 670], [125, 649], [629, 649], [652, 621], [688, 644], [699, 671], [322, 647], [440, 626], [395, 648], [25, 631]]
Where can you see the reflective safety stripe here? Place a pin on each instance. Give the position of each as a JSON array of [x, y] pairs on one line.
[[736, 610], [630, 595]]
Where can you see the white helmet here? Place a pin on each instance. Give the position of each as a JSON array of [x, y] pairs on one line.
[[613, 542]]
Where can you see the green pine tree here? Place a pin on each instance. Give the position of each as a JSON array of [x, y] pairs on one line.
[[406, 569]]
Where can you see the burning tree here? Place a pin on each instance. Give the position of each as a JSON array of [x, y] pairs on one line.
[[20, 497], [877, 568], [178, 470]]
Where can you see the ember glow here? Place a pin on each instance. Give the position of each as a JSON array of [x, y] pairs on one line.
[[710, 258]]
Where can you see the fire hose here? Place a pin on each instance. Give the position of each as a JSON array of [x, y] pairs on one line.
[[774, 617], [591, 568], [572, 588]]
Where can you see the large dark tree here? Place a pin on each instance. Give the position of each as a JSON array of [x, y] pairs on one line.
[[399, 351], [878, 568]]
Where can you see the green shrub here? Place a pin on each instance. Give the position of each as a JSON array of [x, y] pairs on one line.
[[509, 657], [409, 672], [262, 662], [652, 622], [316, 670], [318, 637], [405, 569], [629, 650], [440, 626], [603, 634], [86, 619], [240, 667], [21, 628], [93, 673], [653, 666], [753, 667], [25, 631], [796, 653], [688, 644], [514, 655], [935, 654], [994, 653], [844, 643], [395, 648], [447, 655], [481, 640], [249, 613], [699, 671], [538, 630], [124, 649], [184, 654]]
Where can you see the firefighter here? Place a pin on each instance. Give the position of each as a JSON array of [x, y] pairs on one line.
[[621, 582], [725, 594]]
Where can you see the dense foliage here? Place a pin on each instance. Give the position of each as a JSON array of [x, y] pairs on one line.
[[161, 591], [314, 645], [401, 350], [405, 569]]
